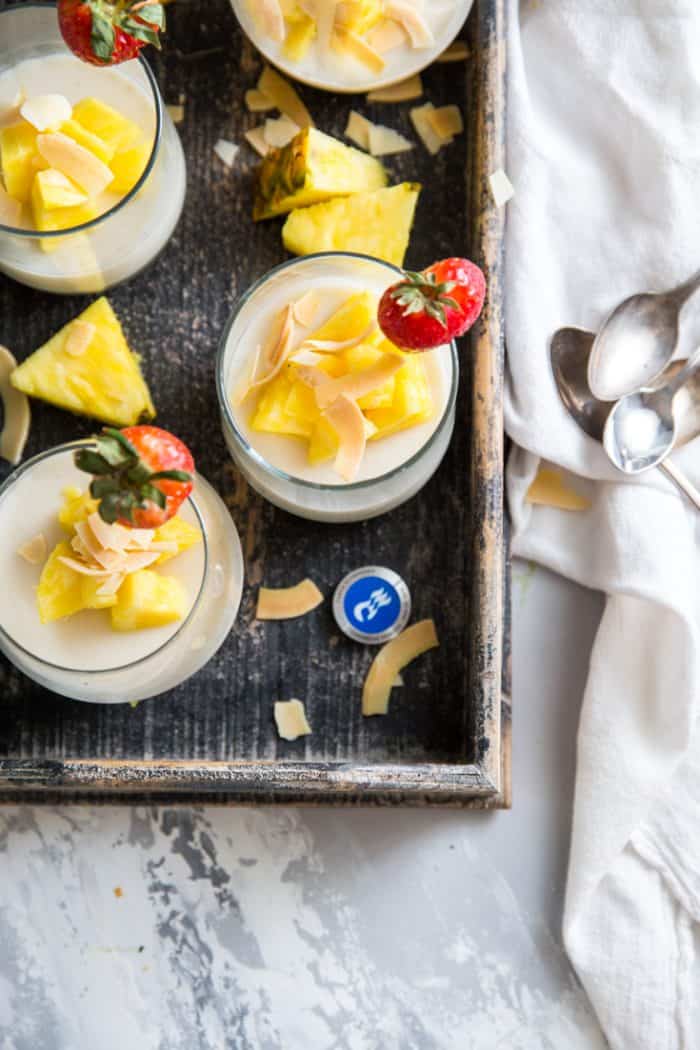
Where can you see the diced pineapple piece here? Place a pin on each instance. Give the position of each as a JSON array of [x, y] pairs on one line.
[[106, 123], [147, 599], [179, 531], [104, 382], [50, 219], [350, 320], [313, 167], [77, 506], [412, 402], [89, 586], [271, 414], [359, 16], [104, 151], [53, 189], [323, 444], [301, 405], [301, 30], [60, 592], [376, 223], [17, 155], [128, 166]]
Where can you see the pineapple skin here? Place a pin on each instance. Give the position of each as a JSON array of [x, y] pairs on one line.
[[313, 167], [376, 223]]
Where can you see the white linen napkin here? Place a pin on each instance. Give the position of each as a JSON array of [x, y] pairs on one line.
[[604, 154]]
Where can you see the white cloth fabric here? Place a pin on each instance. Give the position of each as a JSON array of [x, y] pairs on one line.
[[604, 154]]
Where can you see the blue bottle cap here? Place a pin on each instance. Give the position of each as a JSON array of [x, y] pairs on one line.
[[372, 605]]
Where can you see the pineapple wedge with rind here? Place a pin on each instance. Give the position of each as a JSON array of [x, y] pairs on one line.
[[104, 382], [312, 168], [376, 223], [146, 599]]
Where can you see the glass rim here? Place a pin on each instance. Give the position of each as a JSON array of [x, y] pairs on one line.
[[252, 453], [96, 673], [16, 231]]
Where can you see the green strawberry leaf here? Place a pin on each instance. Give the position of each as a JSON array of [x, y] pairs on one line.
[[153, 13], [101, 35], [141, 32]]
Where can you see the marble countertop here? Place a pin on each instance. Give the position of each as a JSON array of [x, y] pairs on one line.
[[288, 929]]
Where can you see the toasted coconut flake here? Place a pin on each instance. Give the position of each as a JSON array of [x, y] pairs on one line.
[[85, 541], [112, 561], [446, 122], [272, 19], [501, 188], [278, 350], [305, 309], [291, 720], [358, 384], [358, 129], [391, 660], [35, 550], [46, 112], [176, 113], [255, 137], [386, 36], [134, 562], [549, 489], [285, 98], [418, 30], [10, 210], [82, 567], [286, 603], [310, 375], [241, 393], [141, 539], [421, 122], [279, 132], [349, 43], [110, 586], [80, 335], [456, 52], [306, 358], [383, 141], [404, 91], [78, 163], [334, 346], [226, 152], [346, 418], [257, 101], [165, 547], [110, 537], [17, 416]]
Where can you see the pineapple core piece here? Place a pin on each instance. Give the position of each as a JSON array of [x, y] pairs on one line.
[[377, 223], [147, 599], [313, 167], [103, 382]]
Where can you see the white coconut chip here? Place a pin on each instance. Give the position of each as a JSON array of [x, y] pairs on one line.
[[46, 112], [284, 97], [177, 113], [279, 132], [291, 720], [421, 122], [286, 603], [255, 137], [502, 189], [257, 101], [345, 416], [226, 152], [358, 129], [34, 551], [386, 36], [305, 309], [385, 141], [404, 91], [418, 30], [456, 52], [446, 122]]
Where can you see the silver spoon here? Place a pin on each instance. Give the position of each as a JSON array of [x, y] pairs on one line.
[[637, 341], [570, 350], [641, 428]]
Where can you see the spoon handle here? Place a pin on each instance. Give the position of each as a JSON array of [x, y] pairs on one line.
[[681, 481], [689, 368], [685, 290]]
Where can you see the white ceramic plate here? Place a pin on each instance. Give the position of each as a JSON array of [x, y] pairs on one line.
[[346, 75]]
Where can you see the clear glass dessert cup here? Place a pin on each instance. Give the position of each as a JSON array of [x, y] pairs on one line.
[[165, 657], [121, 242], [343, 502]]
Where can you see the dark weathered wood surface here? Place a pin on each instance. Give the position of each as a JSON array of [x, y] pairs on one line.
[[447, 542]]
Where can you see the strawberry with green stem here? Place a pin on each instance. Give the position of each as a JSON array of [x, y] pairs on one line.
[[141, 475], [105, 33]]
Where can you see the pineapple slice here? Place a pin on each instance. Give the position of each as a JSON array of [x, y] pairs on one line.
[[18, 154], [313, 167], [412, 402], [301, 30], [60, 592], [77, 506], [52, 189], [103, 151], [179, 531], [128, 166], [101, 120], [375, 223], [104, 382], [147, 599]]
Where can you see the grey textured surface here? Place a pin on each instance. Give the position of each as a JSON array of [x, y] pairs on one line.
[[174, 314]]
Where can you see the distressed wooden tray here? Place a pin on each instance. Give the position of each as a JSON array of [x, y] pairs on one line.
[[447, 736]]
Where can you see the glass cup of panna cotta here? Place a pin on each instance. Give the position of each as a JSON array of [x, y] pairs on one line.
[[93, 181], [312, 322], [80, 654]]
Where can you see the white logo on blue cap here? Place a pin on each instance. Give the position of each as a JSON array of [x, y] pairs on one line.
[[372, 604]]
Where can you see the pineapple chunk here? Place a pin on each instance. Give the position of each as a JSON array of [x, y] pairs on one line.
[[359, 16], [128, 166], [350, 320], [412, 402], [102, 150], [60, 592], [105, 382], [116, 131], [179, 531], [376, 223], [323, 444], [18, 153], [147, 599], [313, 167], [77, 506], [363, 356], [271, 415], [89, 586], [54, 218], [301, 30], [52, 189], [301, 406]]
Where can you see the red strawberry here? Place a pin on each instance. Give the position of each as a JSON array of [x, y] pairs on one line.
[[428, 309], [141, 475], [105, 33]]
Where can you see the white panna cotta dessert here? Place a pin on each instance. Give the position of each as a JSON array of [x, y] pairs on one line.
[[325, 417], [92, 178], [351, 45], [71, 630]]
